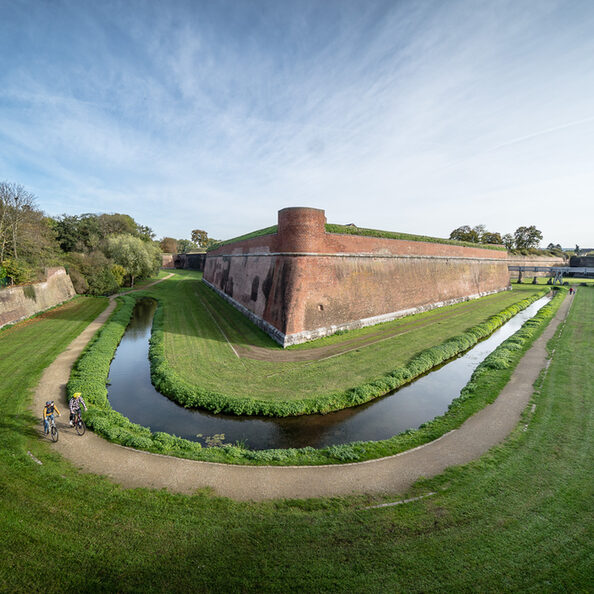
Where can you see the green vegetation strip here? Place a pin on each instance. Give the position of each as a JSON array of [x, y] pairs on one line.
[[346, 230], [175, 387], [195, 318], [90, 376], [518, 519]]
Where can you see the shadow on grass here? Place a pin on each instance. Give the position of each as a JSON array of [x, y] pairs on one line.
[[26, 424]]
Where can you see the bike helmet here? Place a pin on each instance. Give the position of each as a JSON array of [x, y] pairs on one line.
[[47, 403], [77, 395]]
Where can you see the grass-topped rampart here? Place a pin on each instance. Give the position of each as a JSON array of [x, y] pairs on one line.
[[90, 377], [349, 230]]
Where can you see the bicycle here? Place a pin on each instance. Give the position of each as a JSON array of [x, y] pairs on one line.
[[53, 429], [78, 423]]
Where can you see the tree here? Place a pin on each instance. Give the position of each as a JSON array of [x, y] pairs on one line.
[[200, 237], [185, 245], [138, 257], [168, 245], [16, 204], [491, 238], [527, 237], [577, 249], [465, 233], [508, 241]]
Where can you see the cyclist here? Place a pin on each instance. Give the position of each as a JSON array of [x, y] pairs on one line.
[[74, 406], [48, 414]]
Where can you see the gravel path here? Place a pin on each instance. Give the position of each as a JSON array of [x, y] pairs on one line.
[[394, 474]]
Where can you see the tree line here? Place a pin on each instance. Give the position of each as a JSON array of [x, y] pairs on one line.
[[101, 252], [200, 241], [523, 239]]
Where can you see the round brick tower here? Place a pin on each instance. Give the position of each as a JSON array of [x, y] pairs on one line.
[[301, 229]]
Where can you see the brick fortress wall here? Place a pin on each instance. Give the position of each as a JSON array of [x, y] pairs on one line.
[[302, 283]]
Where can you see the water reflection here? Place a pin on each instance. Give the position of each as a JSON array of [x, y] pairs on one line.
[[132, 394]]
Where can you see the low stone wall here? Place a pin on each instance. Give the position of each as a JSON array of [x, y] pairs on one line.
[[302, 283], [167, 261], [23, 301]]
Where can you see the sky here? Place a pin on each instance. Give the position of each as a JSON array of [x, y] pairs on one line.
[[410, 116]]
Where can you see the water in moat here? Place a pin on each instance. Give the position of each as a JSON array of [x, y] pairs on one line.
[[132, 394]]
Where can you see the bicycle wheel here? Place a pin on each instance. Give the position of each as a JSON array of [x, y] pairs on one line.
[[80, 426], [54, 433]]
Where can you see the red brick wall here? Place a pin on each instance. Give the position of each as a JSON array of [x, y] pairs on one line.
[[303, 279]]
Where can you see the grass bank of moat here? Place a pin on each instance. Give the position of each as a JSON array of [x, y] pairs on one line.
[[206, 354], [519, 518]]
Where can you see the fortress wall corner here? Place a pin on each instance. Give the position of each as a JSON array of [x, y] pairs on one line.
[[302, 282]]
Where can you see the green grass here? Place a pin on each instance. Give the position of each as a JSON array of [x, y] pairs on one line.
[[197, 350], [542, 280], [345, 230], [518, 519], [147, 281], [91, 370]]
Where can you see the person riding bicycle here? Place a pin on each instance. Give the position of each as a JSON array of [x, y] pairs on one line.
[[74, 406], [48, 414]]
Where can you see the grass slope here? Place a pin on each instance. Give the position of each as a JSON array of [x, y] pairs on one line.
[[519, 519], [198, 351], [346, 230], [91, 370]]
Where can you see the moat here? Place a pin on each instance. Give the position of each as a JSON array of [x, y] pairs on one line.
[[132, 394]]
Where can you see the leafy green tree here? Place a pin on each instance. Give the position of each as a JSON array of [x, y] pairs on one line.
[[200, 237], [168, 245], [185, 245], [465, 233], [491, 238], [527, 237], [139, 258], [119, 272], [508, 241], [16, 272]]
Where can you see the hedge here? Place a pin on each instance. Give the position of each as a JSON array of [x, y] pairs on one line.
[[91, 371], [170, 384]]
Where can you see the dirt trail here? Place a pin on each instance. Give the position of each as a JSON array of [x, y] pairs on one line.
[[394, 474]]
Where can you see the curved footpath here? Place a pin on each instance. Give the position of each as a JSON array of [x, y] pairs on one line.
[[394, 474]]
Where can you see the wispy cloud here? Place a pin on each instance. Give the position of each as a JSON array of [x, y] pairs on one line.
[[410, 116]]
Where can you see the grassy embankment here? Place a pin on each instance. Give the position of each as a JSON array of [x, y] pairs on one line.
[[198, 352], [520, 518], [90, 376]]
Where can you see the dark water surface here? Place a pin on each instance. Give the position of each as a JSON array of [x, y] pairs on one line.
[[132, 394]]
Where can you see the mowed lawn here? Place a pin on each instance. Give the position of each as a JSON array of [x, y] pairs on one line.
[[198, 323], [518, 519]]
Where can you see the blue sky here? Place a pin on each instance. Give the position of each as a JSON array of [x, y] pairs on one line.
[[407, 116]]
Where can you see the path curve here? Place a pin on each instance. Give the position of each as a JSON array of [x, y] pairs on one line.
[[390, 475]]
